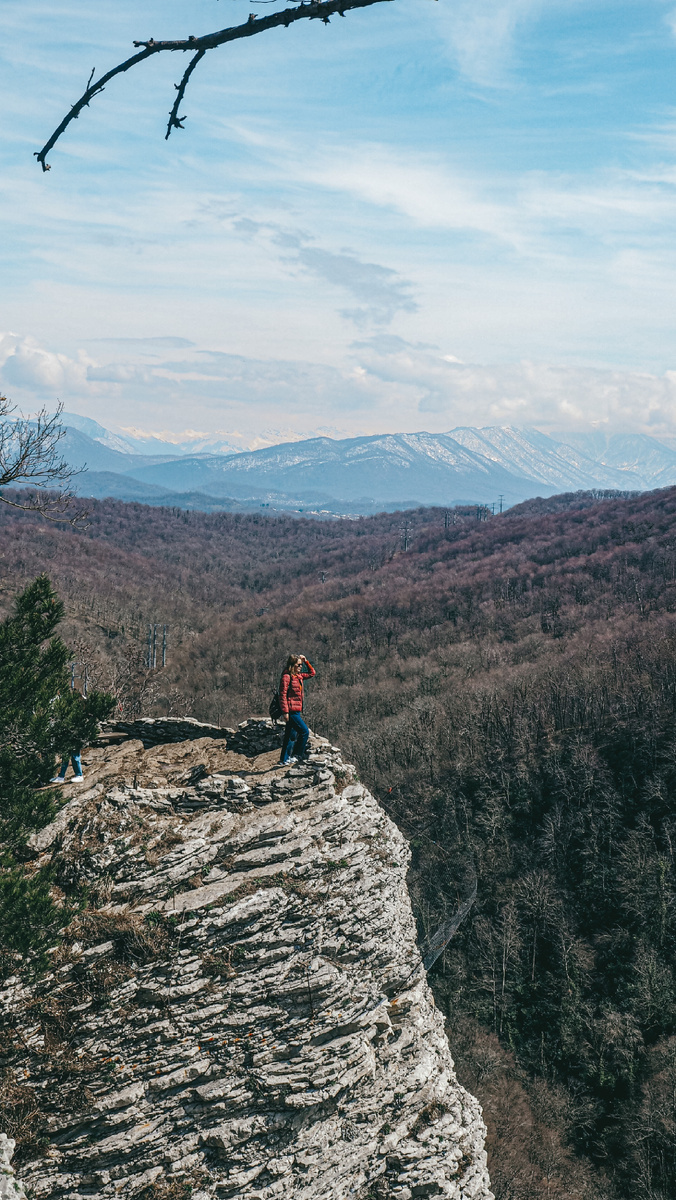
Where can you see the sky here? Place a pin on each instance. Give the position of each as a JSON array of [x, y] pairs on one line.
[[427, 214]]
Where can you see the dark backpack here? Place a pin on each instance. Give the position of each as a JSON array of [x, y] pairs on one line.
[[275, 708]]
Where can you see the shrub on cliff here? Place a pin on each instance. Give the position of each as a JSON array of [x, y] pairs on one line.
[[40, 717]]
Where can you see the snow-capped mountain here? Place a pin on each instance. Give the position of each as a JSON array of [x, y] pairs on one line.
[[464, 466], [97, 433], [422, 467], [137, 442], [651, 461], [545, 459]]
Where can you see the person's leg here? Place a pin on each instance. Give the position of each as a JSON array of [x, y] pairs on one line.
[[295, 727], [61, 773], [77, 766], [302, 736], [289, 739], [297, 721]]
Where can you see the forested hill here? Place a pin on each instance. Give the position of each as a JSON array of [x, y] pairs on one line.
[[507, 687]]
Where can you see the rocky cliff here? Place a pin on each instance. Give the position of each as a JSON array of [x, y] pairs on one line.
[[240, 1011]]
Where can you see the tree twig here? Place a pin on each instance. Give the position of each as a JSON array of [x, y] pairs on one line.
[[319, 10], [176, 122]]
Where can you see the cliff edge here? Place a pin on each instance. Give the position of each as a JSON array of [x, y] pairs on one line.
[[241, 1010]]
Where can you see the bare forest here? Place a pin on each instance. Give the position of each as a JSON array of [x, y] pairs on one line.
[[507, 688]]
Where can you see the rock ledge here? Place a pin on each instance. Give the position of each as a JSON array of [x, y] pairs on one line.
[[242, 1008]]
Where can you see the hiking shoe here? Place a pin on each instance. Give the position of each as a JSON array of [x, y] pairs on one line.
[[58, 779], [288, 762], [77, 779]]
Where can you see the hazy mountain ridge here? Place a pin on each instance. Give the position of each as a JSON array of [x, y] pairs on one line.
[[495, 465], [545, 460], [102, 485], [651, 460], [147, 444]]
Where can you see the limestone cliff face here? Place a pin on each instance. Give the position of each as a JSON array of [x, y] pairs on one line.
[[242, 1009]]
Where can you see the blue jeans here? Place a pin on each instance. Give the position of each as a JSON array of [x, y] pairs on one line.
[[296, 735], [77, 764]]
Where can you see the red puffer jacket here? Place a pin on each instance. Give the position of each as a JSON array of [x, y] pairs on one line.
[[291, 689]]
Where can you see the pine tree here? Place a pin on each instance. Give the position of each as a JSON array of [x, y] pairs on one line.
[[40, 719]]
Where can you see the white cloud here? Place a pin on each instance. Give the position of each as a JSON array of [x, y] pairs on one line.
[[481, 35], [549, 396], [425, 189], [526, 213], [220, 391], [385, 385], [26, 365]]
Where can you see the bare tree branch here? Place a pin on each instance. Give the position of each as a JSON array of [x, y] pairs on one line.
[[316, 10], [176, 122], [30, 455]]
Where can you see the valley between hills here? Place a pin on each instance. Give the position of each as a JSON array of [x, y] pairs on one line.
[[506, 689]]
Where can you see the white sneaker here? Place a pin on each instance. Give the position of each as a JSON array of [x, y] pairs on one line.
[[58, 779], [77, 779]]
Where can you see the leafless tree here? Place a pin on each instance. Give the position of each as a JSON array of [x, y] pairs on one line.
[[30, 458], [197, 47]]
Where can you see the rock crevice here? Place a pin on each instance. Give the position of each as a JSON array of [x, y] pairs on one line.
[[241, 1008]]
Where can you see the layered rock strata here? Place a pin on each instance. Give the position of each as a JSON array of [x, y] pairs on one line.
[[241, 1009]]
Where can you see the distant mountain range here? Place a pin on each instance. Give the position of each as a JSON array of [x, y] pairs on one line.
[[148, 443], [493, 465]]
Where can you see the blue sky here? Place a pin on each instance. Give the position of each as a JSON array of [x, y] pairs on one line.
[[430, 213]]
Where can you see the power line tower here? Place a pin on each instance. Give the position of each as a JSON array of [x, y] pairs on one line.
[[501, 498]]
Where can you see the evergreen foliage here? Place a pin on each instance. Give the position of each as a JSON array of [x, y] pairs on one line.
[[40, 719], [562, 795]]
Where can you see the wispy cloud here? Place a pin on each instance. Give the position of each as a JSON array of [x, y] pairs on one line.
[[527, 213], [152, 345], [481, 35], [380, 291]]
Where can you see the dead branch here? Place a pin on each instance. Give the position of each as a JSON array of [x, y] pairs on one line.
[[176, 122], [316, 10]]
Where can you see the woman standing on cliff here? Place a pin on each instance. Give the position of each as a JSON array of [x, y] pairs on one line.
[[296, 734]]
